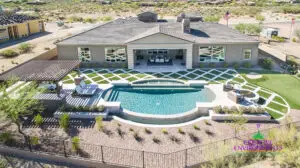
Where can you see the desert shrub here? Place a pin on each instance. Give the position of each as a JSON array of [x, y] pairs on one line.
[[266, 63], [106, 18], [25, 47], [164, 131], [251, 29], [89, 20], [225, 65], [147, 131], [137, 137], [174, 139], [101, 108], [235, 65], [247, 64], [196, 127], [290, 9], [9, 53], [259, 17], [207, 122], [218, 109], [180, 131], [99, 123], [34, 140], [64, 121], [213, 18], [156, 140], [201, 65], [74, 19], [294, 40], [194, 138], [75, 143], [277, 38], [131, 129], [212, 65], [38, 120]]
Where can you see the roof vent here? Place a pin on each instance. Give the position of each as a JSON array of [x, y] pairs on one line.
[[186, 26]]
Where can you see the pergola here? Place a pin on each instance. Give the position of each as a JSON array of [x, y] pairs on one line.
[[41, 70]]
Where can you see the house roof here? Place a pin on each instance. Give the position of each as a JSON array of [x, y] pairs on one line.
[[37, 70], [122, 31], [15, 18]]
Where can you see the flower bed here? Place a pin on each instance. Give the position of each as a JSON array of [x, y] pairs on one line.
[[82, 112], [250, 113]]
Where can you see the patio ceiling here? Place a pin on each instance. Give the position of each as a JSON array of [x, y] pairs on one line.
[[41, 70]]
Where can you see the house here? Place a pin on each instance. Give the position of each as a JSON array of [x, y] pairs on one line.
[[191, 16], [14, 26], [132, 43], [268, 32]]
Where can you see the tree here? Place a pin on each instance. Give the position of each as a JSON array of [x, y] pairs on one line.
[[238, 122], [15, 108]]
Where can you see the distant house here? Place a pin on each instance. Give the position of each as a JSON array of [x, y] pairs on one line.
[[14, 26], [190, 16], [268, 32]]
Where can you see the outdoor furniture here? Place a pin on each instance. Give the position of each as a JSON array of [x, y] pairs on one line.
[[85, 91], [167, 59], [227, 87]]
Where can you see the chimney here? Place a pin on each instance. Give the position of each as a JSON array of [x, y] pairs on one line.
[[186, 26]]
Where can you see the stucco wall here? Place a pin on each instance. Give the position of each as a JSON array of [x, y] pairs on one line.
[[4, 35], [234, 53], [34, 26]]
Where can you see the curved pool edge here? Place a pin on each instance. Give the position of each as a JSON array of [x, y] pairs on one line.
[[119, 119], [201, 110]]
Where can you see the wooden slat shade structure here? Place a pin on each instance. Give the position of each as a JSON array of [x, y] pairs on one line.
[[41, 70]]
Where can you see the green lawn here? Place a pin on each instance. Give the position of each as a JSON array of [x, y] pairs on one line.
[[273, 114], [264, 94], [284, 84], [279, 100], [247, 87], [278, 107]]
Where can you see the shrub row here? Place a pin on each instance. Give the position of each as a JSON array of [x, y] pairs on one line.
[[232, 110], [235, 65], [94, 108]]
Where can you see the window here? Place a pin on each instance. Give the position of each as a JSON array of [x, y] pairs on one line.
[[115, 54], [84, 54], [212, 54], [247, 54]]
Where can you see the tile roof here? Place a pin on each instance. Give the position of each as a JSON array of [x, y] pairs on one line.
[[15, 18], [122, 31]]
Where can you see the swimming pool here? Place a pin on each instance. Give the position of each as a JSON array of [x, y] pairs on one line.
[[159, 100]]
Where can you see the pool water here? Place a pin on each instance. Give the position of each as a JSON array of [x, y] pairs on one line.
[[159, 101]]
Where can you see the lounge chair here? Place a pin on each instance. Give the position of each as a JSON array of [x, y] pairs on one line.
[[87, 86], [167, 59], [85, 91], [152, 60]]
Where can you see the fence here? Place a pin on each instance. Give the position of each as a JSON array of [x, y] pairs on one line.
[[134, 158]]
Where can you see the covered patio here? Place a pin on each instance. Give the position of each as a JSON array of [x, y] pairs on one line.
[[46, 72], [165, 58]]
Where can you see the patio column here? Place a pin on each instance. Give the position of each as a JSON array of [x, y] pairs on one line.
[[130, 57], [189, 57]]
